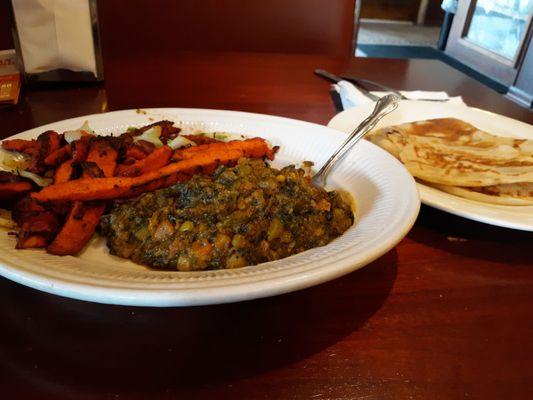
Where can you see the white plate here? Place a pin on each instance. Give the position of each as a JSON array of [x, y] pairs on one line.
[[387, 206], [516, 217]]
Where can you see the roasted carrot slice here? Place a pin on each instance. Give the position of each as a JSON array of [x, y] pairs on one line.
[[78, 229], [24, 209], [33, 241], [47, 142], [135, 152], [153, 162], [91, 170], [201, 139], [168, 130], [80, 149], [12, 190], [53, 142], [37, 225], [83, 218], [58, 156], [20, 145], [118, 187], [104, 155], [251, 148], [64, 172]]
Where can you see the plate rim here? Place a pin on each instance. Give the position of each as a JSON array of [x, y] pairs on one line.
[[225, 293]]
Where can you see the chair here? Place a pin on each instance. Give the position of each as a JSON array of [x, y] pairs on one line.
[[279, 26]]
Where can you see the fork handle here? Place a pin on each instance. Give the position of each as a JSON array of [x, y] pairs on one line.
[[383, 106]]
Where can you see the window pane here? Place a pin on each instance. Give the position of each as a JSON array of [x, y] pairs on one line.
[[499, 25]]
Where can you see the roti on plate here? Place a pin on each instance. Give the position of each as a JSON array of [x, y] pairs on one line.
[[458, 158]]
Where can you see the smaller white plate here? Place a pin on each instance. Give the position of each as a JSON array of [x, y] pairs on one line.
[[516, 217]]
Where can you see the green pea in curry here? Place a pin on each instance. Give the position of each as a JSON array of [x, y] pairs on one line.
[[239, 216]]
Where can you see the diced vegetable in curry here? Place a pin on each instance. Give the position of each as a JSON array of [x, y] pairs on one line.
[[238, 216]]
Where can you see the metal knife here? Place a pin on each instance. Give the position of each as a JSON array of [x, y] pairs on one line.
[[334, 78], [360, 81]]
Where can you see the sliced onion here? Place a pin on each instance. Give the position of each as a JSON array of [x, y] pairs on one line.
[[76, 134], [86, 128], [72, 136], [39, 180], [11, 160], [180, 141], [151, 135]]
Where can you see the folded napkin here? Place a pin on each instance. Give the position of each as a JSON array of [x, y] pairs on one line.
[[351, 96], [55, 34]]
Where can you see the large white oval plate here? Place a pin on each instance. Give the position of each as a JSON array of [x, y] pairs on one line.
[[516, 217], [387, 206]]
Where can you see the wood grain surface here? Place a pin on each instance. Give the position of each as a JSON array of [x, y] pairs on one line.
[[447, 314]]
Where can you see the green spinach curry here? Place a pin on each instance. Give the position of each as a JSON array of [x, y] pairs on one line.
[[242, 215]]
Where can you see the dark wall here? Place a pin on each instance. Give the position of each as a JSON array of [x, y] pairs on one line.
[[284, 26], [6, 39]]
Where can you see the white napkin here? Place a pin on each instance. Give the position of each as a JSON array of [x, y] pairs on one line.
[[351, 96], [55, 34]]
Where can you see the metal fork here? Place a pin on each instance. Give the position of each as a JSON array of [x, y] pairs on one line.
[[383, 106]]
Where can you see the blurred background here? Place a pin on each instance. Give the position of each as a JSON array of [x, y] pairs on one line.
[[488, 40]]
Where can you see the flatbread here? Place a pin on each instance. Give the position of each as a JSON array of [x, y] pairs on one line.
[[510, 194], [448, 151]]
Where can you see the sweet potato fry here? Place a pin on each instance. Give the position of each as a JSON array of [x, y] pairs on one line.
[[83, 218], [135, 152], [118, 187], [201, 139], [47, 142], [58, 156], [64, 172], [153, 162], [37, 225], [13, 190], [78, 229], [168, 130], [32, 241], [20, 145], [91, 170], [25, 208], [104, 155], [251, 148], [54, 142], [80, 149]]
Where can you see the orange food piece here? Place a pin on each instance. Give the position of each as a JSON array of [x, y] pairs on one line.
[[83, 218], [78, 229], [53, 142], [201, 139], [32, 242], [135, 152], [80, 149], [47, 143], [63, 172], [12, 190], [250, 148], [158, 159], [20, 145], [37, 225], [104, 155], [118, 187], [58, 156]]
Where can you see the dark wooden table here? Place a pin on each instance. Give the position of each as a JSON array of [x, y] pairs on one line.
[[446, 314]]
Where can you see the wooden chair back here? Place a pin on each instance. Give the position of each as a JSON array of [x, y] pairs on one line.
[[279, 26]]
